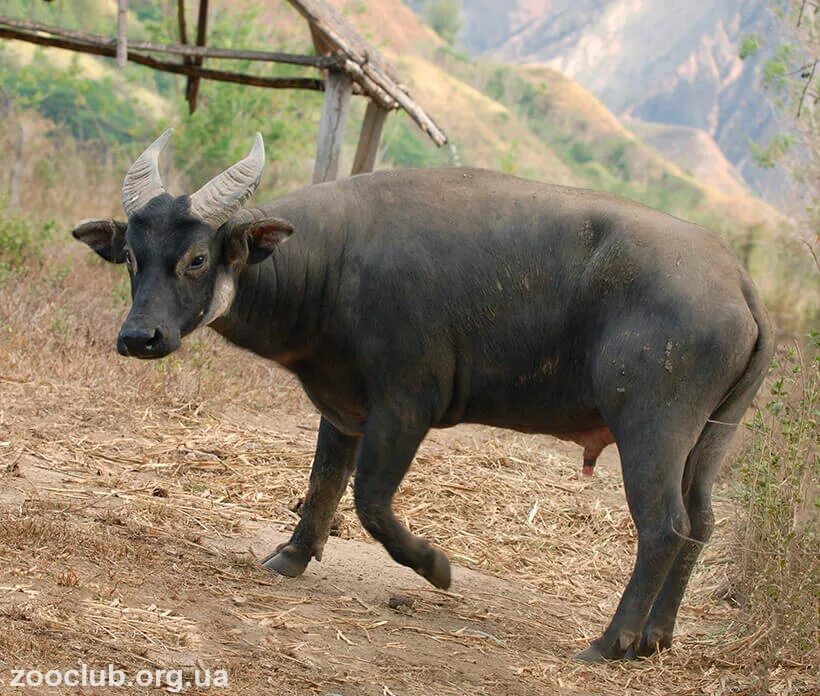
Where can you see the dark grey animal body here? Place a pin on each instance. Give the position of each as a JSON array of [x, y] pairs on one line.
[[414, 299]]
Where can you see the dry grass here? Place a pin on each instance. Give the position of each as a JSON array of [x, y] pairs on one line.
[[136, 497]]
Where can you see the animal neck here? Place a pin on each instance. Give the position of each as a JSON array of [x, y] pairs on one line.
[[275, 312]]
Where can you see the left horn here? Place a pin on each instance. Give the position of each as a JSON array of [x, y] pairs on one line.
[[217, 201], [143, 182]]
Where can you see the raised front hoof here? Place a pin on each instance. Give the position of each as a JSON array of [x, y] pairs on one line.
[[437, 569], [288, 560]]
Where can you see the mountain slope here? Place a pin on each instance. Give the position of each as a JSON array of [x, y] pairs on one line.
[[657, 61], [695, 151]]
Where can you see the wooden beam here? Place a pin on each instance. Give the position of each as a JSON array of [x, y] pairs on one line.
[[192, 88], [183, 31], [321, 45], [16, 180], [182, 48], [122, 32], [371, 135], [374, 70], [338, 88], [406, 102], [109, 49], [369, 87]]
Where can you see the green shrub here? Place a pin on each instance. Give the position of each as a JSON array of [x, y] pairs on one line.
[[406, 146], [444, 16], [618, 159], [21, 241], [778, 581], [88, 107], [580, 153]]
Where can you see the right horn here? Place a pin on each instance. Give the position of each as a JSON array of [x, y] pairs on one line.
[[218, 200], [143, 182]]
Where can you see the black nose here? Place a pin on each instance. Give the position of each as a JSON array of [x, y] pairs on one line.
[[139, 342]]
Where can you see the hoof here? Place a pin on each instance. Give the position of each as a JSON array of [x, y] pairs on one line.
[[590, 655], [437, 572], [288, 560], [601, 650], [653, 641]]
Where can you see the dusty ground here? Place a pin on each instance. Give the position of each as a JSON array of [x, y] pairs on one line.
[[136, 498]]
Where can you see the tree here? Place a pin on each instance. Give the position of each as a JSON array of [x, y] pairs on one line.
[[444, 16], [792, 76]]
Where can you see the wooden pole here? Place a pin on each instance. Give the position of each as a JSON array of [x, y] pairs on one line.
[[122, 32], [371, 135], [16, 180], [192, 88], [338, 88], [183, 31], [330, 32]]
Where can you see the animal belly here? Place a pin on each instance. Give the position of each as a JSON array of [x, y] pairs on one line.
[[544, 399], [344, 410]]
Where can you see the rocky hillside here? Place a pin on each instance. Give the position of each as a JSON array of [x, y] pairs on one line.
[[672, 63]]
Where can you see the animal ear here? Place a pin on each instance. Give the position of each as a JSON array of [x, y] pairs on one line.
[[255, 241], [106, 237]]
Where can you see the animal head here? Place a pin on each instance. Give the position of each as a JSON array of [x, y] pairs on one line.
[[182, 253]]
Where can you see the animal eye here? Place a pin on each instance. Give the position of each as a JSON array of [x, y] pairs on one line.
[[197, 262], [128, 260]]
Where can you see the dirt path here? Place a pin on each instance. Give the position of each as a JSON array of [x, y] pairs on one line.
[[136, 500]]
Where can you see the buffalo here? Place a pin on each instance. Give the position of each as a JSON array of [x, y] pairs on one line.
[[414, 299]]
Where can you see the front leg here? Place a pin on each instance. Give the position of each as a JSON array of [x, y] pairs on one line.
[[332, 467]]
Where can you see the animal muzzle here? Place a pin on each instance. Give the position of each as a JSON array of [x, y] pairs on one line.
[[146, 341]]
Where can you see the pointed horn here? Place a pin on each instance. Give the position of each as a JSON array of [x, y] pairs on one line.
[[143, 182], [217, 201]]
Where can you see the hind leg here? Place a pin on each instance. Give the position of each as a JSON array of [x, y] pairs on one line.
[[652, 471], [391, 437], [705, 462]]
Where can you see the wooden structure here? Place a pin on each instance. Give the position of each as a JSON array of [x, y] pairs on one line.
[[347, 63]]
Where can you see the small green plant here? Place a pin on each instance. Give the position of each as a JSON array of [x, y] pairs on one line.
[[509, 160], [21, 241], [777, 551], [749, 46], [774, 152], [405, 146]]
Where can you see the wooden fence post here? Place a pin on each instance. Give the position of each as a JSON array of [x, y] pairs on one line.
[[338, 88], [192, 88], [16, 178], [122, 33], [371, 135]]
